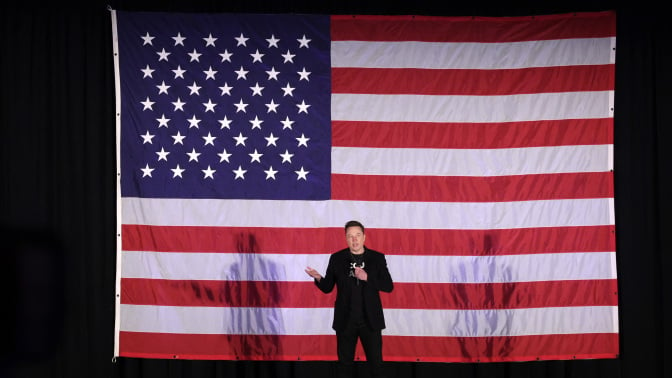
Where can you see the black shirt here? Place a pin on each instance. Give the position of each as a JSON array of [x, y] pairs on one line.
[[356, 302]]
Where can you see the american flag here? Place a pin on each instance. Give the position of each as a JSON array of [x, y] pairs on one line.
[[477, 151]]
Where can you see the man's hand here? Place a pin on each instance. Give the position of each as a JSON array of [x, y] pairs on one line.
[[313, 273], [361, 274]]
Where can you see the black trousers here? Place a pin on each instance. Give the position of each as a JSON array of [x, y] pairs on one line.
[[372, 343]]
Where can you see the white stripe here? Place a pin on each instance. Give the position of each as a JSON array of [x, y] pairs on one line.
[[472, 55], [400, 322], [511, 108], [611, 157], [398, 215], [403, 268], [470, 162], [612, 212], [612, 98], [508, 322]]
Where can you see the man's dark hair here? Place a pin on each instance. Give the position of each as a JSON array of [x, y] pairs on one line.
[[354, 223]]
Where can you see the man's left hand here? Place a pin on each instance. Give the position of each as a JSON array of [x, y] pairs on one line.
[[361, 274]]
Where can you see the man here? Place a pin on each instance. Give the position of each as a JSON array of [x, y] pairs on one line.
[[360, 274]]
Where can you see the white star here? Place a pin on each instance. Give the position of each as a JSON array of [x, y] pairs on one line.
[[224, 156], [271, 139], [287, 123], [256, 123], [225, 123], [178, 105], [210, 73], [256, 57], [208, 173], [178, 41], [163, 55], [147, 138], [288, 91], [226, 56], [193, 121], [195, 55], [302, 174], [147, 71], [303, 107], [193, 155], [147, 39], [303, 140], [210, 41], [179, 72], [273, 74], [256, 90], [194, 89], [241, 73], [178, 138], [209, 139], [240, 107], [270, 173], [177, 171], [303, 42], [304, 74], [272, 42], [256, 156], [226, 89], [240, 139], [241, 40], [272, 106], [163, 88], [240, 173], [148, 104], [289, 57], [163, 155], [147, 171], [286, 157], [210, 106], [163, 121]]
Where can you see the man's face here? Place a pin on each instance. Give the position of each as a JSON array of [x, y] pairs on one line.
[[355, 238]]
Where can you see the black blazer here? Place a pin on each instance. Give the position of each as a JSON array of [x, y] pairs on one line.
[[378, 279]]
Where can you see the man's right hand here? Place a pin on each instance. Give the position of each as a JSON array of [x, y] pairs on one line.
[[313, 273]]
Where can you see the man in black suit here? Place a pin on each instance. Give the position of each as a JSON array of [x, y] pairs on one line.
[[360, 275]]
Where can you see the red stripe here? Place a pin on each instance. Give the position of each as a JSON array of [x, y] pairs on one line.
[[472, 82], [395, 348], [390, 241], [139, 291], [493, 349], [472, 189], [227, 347], [472, 29], [142, 291], [472, 135]]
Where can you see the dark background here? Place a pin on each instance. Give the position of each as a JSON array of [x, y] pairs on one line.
[[58, 199]]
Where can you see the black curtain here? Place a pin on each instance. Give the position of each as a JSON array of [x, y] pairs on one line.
[[58, 193]]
